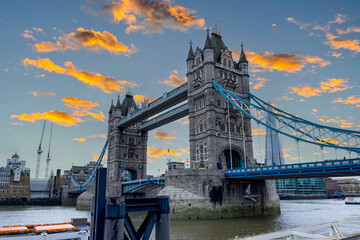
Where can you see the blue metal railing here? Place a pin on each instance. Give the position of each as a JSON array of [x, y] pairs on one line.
[[132, 185], [311, 168], [149, 106]]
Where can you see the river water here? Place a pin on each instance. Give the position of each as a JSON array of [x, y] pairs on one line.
[[294, 213]]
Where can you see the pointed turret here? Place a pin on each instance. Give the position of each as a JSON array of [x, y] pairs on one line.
[[242, 55], [208, 44], [208, 48], [118, 104], [191, 53], [111, 107]]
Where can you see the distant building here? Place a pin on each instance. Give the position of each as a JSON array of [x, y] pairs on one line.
[[15, 179], [39, 189], [79, 174], [300, 186], [349, 185]]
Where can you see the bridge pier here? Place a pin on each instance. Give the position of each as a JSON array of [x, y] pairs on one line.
[[206, 194]]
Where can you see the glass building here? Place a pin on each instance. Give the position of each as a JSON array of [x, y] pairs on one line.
[[300, 186]]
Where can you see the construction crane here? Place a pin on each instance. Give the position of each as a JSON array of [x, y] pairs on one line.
[[48, 155], [39, 151]]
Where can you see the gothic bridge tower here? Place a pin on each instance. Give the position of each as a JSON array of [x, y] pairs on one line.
[[212, 125], [219, 138], [127, 147]]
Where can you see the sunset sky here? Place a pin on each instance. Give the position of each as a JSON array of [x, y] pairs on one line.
[[64, 61]]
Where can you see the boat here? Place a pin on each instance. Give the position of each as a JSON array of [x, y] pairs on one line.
[[351, 200], [78, 228]]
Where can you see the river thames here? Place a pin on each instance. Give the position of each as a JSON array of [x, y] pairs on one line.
[[294, 213]]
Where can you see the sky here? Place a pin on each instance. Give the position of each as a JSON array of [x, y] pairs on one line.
[[64, 61]]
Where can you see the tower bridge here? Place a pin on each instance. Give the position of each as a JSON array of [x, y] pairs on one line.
[[222, 172]]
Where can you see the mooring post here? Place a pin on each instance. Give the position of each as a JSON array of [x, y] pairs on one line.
[[98, 207], [114, 223], [162, 231]]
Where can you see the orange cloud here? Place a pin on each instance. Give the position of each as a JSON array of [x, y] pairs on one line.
[[159, 134], [96, 157], [352, 100], [183, 121], [41, 94], [302, 25], [82, 108], [334, 85], [157, 152], [348, 30], [83, 139], [335, 54], [261, 82], [284, 98], [28, 34], [286, 62], [335, 43], [337, 120], [174, 80], [89, 39], [141, 98], [258, 131], [305, 91], [156, 16], [330, 86], [60, 118], [105, 83], [79, 139]]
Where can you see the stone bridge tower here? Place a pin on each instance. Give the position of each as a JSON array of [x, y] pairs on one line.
[[217, 135], [127, 147], [209, 124]]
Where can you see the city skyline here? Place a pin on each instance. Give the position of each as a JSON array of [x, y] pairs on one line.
[[66, 66]]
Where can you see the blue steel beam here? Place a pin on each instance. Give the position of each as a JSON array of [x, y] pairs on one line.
[[132, 186], [169, 99], [333, 168], [165, 118], [293, 126]]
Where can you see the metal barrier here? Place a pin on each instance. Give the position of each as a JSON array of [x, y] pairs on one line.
[[110, 219], [328, 168]]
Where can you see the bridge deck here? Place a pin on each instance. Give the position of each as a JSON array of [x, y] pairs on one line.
[[169, 99], [334, 168]]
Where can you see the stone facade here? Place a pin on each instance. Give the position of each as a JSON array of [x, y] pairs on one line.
[[127, 148], [209, 122], [220, 138], [15, 179]]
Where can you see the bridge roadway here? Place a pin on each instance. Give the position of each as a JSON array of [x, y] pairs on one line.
[[332, 168], [169, 99]]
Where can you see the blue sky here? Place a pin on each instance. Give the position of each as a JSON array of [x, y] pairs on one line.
[[303, 57]]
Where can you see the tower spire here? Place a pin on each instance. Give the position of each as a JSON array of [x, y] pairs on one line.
[[112, 106], [118, 105], [208, 44], [191, 52], [242, 55]]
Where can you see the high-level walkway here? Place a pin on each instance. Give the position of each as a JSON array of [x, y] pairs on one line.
[[168, 100]]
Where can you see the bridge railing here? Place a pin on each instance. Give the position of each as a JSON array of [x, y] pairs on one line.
[[302, 166], [165, 96], [154, 179]]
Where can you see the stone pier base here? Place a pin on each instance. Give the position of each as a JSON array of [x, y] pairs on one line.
[[206, 194]]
